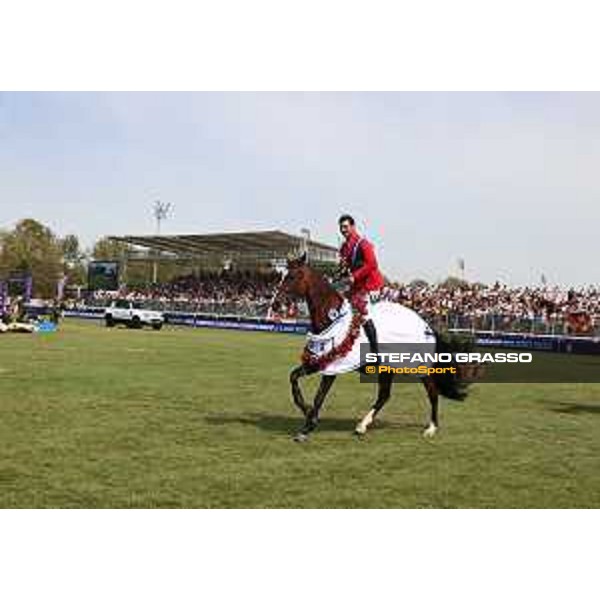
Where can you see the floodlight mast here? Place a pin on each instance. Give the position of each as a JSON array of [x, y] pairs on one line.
[[161, 212]]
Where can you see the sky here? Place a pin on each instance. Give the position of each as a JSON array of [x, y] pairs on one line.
[[509, 182]]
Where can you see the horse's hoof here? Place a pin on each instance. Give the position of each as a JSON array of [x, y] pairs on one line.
[[363, 425], [430, 431], [360, 432], [301, 437]]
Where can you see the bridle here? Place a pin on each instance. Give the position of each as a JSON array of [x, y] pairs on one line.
[[276, 295]]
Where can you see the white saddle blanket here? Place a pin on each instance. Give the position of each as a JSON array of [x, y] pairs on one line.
[[395, 324]]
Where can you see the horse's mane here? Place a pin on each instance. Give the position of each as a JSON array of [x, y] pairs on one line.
[[321, 279]]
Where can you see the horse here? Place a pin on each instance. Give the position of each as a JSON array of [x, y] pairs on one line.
[[324, 304]]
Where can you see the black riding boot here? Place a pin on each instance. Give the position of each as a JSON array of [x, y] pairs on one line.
[[371, 332]]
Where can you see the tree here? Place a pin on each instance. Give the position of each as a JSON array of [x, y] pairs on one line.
[[32, 248], [454, 282], [74, 259], [418, 283], [71, 248], [107, 249]]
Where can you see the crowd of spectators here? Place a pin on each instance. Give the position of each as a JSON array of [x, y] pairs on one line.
[[497, 307], [227, 292], [500, 307]]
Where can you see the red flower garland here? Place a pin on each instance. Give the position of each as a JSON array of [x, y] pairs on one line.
[[323, 361]]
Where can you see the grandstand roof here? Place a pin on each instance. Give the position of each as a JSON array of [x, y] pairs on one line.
[[252, 244]]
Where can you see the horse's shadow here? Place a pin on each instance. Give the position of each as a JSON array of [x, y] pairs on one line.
[[566, 408], [289, 424]]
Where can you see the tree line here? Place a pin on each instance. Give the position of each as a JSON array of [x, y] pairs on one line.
[[34, 249]]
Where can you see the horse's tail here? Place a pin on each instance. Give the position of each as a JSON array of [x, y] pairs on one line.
[[454, 386]]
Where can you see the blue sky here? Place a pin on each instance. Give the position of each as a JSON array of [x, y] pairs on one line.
[[509, 181]]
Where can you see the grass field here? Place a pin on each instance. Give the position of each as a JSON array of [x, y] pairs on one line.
[[93, 417]]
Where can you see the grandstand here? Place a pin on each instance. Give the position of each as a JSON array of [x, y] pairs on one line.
[[236, 250], [220, 273]]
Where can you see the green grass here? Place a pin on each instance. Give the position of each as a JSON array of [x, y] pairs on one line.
[[92, 417]]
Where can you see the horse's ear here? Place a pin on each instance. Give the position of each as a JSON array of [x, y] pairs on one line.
[[296, 260]]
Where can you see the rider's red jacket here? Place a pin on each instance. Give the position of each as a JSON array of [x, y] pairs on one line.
[[358, 255]]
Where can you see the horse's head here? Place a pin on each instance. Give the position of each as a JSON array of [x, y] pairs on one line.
[[295, 283], [304, 283]]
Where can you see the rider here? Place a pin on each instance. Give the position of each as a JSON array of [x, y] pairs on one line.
[[358, 260]]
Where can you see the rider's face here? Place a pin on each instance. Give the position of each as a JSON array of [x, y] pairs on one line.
[[346, 229]]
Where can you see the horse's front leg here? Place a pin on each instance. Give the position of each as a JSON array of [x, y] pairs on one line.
[[295, 375], [312, 416]]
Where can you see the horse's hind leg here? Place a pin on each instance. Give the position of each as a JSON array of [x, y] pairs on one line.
[[383, 395], [312, 415], [433, 394]]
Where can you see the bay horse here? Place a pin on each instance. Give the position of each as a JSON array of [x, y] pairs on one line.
[[324, 302]]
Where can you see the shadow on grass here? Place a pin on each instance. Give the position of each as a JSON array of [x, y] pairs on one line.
[[576, 409], [289, 424]]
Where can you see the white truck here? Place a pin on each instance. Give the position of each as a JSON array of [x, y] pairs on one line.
[[133, 315]]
